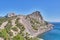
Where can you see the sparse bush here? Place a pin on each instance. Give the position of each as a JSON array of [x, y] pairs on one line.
[[17, 20], [19, 25], [15, 29], [4, 34], [8, 26], [34, 23], [10, 33], [3, 19], [34, 27], [18, 37]]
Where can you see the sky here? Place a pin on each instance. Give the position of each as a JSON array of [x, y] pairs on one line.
[[50, 9]]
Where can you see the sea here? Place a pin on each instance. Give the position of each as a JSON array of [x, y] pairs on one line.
[[53, 34]]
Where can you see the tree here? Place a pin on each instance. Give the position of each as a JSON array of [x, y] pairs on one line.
[[15, 29], [4, 34], [18, 37]]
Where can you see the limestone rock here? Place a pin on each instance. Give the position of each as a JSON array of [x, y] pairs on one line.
[[11, 14]]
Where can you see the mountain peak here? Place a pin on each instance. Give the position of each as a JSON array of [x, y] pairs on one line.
[[36, 13], [30, 25]]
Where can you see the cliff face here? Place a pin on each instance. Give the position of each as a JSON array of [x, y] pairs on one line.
[[38, 24], [32, 24]]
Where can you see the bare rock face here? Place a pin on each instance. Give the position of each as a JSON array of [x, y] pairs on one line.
[[3, 25], [33, 24], [11, 14], [1, 38], [36, 15]]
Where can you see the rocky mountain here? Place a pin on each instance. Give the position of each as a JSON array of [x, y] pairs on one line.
[[23, 27]]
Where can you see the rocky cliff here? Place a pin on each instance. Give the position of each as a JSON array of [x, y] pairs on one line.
[[27, 26]]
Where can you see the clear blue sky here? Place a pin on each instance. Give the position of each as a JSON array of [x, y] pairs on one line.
[[50, 9]]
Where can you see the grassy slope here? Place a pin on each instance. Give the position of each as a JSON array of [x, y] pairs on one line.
[[5, 32]]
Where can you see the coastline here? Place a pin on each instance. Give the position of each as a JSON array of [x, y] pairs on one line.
[[54, 34], [48, 29]]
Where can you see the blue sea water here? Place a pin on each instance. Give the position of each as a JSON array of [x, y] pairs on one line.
[[53, 34]]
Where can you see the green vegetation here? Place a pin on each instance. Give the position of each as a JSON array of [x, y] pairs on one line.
[[17, 20], [4, 34], [27, 36], [15, 29], [34, 23], [3, 19], [19, 25], [10, 33], [34, 38], [18, 37], [34, 27], [8, 26]]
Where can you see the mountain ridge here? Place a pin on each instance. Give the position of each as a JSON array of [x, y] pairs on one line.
[[30, 25]]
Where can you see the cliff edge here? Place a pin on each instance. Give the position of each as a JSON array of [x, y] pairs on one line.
[[26, 26]]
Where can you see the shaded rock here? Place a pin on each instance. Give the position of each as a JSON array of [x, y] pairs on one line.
[[1, 38], [10, 15]]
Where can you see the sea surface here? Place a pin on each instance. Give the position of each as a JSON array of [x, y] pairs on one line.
[[53, 34]]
